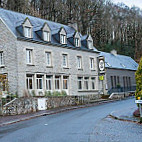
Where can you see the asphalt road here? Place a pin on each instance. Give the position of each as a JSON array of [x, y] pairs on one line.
[[82, 125]]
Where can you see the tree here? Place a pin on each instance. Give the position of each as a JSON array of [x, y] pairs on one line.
[[139, 80]]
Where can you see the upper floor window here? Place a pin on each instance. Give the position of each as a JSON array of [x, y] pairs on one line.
[[65, 60], [27, 32], [77, 42], [63, 39], [46, 36], [91, 63], [29, 56], [79, 62], [48, 58], [1, 59]]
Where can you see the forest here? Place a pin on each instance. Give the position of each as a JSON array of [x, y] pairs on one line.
[[112, 26]]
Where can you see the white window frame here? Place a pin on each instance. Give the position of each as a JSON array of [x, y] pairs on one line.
[[65, 79], [86, 83], [90, 44], [92, 60], [38, 80], [65, 60], [29, 56], [80, 80], [27, 32], [49, 82], [79, 62], [62, 39], [46, 36], [76, 40], [57, 78], [28, 78], [1, 59], [93, 79], [48, 58]]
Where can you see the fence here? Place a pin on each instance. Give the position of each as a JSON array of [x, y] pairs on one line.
[[122, 89]]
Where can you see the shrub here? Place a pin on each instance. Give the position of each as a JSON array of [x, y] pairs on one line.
[[47, 93], [139, 81], [63, 93], [33, 93], [56, 93]]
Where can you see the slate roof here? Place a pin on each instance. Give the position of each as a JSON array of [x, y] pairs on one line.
[[15, 19], [119, 61]]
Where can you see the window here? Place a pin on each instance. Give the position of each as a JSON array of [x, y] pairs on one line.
[[65, 82], [27, 32], [79, 62], [3, 82], [65, 60], [39, 80], [29, 81], [48, 82], [57, 82], [77, 42], [115, 81], [80, 83], [29, 56], [1, 59], [63, 39], [48, 58], [86, 83], [90, 44], [93, 83], [46, 36], [112, 84], [91, 63]]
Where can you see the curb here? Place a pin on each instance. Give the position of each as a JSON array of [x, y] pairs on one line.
[[62, 110], [113, 115]]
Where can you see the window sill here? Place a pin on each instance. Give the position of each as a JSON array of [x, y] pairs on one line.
[[49, 66], [87, 90], [80, 69], [30, 65], [66, 68]]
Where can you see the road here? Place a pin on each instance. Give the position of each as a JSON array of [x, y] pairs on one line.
[[82, 125]]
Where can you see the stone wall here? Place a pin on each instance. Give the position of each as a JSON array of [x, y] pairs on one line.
[[20, 106]]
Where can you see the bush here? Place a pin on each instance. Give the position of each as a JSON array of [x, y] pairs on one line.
[[139, 81], [47, 93], [56, 93], [33, 93], [63, 93]]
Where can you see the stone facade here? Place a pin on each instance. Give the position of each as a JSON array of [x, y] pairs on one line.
[[16, 67]]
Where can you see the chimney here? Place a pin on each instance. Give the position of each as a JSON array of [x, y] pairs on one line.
[[73, 25], [114, 52]]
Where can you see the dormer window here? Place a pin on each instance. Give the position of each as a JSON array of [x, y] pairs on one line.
[[46, 36], [63, 39], [27, 32], [77, 42], [90, 44]]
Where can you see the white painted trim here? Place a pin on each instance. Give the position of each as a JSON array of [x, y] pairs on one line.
[[8, 27]]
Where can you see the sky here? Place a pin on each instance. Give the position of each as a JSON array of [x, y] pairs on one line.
[[130, 3]]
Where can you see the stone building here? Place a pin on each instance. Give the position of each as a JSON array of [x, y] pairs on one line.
[[120, 72], [40, 55]]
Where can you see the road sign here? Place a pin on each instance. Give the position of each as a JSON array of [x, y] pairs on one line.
[[138, 101]]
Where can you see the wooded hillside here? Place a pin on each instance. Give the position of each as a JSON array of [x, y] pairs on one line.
[[112, 26]]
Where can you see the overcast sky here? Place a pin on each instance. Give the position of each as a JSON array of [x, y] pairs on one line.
[[130, 3]]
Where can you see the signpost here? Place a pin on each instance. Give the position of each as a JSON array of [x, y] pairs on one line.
[[139, 102]]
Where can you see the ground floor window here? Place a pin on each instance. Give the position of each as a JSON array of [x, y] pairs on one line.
[[29, 81], [57, 82], [39, 80], [80, 83], [3, 82], [86, 83], [92, 83], [48, 82], [65, 82]]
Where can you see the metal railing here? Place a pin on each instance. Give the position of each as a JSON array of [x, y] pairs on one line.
[[122, 89]]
